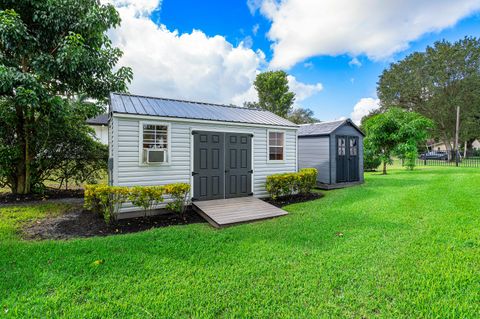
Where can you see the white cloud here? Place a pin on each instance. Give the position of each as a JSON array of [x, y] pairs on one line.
[[308, 65], [255, 29], [254, 5], [136, 7], [247, 42], [248, 96], [355, 62], [376, 28], [364, 107], [186, 66], [302, 90]]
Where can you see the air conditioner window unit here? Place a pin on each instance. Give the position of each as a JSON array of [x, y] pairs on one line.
[[155, 155]]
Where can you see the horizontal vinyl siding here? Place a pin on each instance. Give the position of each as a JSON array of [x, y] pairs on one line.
[[263, 167], [131, 173], [111, 145], [314, 152]]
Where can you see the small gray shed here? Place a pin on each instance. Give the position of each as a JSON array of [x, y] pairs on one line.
[[335, 149]]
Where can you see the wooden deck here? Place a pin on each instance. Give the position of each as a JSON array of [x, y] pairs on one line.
[[227, 212]]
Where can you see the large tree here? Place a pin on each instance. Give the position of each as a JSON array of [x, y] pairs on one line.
[[273, 93], [433, 83], [395, 132], [302, 115], [51, 52]]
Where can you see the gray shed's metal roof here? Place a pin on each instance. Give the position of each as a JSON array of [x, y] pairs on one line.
[[324, 128], [102, 119], [143, 105]]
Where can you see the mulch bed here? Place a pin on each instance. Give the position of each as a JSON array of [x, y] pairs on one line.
[[82, 223], [293, 199], [49, 193]]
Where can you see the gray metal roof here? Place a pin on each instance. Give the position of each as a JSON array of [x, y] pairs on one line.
[[102, 119], [324, 128], [143, 105]]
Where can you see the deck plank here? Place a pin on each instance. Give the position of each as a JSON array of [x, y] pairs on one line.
[[231, 211]]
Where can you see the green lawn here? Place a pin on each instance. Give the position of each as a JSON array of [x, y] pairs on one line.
[[403, 245]]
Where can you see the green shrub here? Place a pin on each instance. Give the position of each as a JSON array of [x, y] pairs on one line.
[[92, 197], [306, 180], [279, 184], [146, 197], [178, 193], [371, 161], [408, 153], [410, 160], [290, 183], [107, 200]]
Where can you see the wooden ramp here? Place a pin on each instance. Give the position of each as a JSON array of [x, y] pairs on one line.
[[227, 212]]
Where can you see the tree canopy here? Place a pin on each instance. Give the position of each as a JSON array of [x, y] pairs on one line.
[[433, 83], [50, 53], [301, 116], [273, 93], [395, 132]]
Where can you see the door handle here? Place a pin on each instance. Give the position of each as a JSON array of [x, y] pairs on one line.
[[227, 171]]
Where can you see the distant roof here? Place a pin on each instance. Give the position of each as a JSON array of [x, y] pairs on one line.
[[324, 128], [102, 119], [143, 105]]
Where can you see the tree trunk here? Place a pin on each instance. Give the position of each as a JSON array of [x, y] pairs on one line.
[[25, 130], [22, 179], [465, 150], [448, 146], [384, 172]]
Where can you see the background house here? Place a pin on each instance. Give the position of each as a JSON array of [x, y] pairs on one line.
[[476, 144], [440, 146], [100, 125]]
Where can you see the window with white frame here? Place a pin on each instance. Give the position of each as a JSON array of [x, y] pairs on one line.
[[276, 146], [154, 143]]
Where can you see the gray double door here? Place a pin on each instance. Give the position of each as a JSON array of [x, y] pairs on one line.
[[347, 159], [222, 165]]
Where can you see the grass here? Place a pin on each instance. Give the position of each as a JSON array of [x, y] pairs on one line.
[[56, 185], [13, 217], [405, 245]]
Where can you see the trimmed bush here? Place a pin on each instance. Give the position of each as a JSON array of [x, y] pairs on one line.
[[178, 193], [146, 197], [306, 180], [303, 182], [107, 200]]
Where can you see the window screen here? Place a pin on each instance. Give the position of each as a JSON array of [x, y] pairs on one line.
[[154, 137]]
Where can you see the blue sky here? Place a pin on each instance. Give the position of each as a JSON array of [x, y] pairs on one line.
[[328, 61]]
